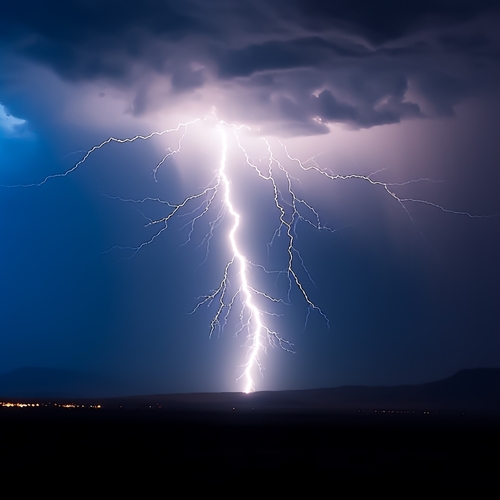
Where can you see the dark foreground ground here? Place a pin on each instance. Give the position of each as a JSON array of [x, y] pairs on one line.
[[266, 451]]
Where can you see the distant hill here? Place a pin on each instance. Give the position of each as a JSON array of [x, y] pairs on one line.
[[476, 390]]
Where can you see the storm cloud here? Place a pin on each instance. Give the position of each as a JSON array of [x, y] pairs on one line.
[[297, 66]]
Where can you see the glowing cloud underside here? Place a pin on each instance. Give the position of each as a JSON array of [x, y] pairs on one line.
[[290, 209]]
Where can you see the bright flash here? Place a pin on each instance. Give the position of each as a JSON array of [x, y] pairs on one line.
[[290, 209]]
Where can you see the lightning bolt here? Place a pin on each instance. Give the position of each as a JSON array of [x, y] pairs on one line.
[[291, 209], [255, 316]]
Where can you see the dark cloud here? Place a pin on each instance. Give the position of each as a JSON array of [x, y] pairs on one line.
[[443, 90], [390, 111], [388, 19], [331, 110], [188, 78], [83, 20], [90, 39], [276, 55], [477, 44], [355, 62]]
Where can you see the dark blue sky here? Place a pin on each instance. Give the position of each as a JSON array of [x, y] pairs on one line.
[[408, 92]]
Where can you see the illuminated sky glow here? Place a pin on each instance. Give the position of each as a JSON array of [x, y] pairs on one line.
[[354, 210], [292, 210], [258, 336]]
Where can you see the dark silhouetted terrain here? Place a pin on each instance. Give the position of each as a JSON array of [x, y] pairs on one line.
[[475, 391], [281, 442]]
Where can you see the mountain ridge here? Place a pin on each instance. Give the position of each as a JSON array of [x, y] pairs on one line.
[[469, 389]]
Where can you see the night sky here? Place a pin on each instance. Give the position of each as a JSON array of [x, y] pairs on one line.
[[400, 90]]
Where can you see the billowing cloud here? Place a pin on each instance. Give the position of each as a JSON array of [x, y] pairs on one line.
[[297, 66], [10, 125]]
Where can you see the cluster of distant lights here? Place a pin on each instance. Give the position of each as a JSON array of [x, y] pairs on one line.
[[10, 404]]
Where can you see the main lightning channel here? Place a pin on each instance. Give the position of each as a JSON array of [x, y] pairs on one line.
[[255, 321]]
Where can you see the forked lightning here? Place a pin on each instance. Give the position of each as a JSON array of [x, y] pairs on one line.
[[290, 209]]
